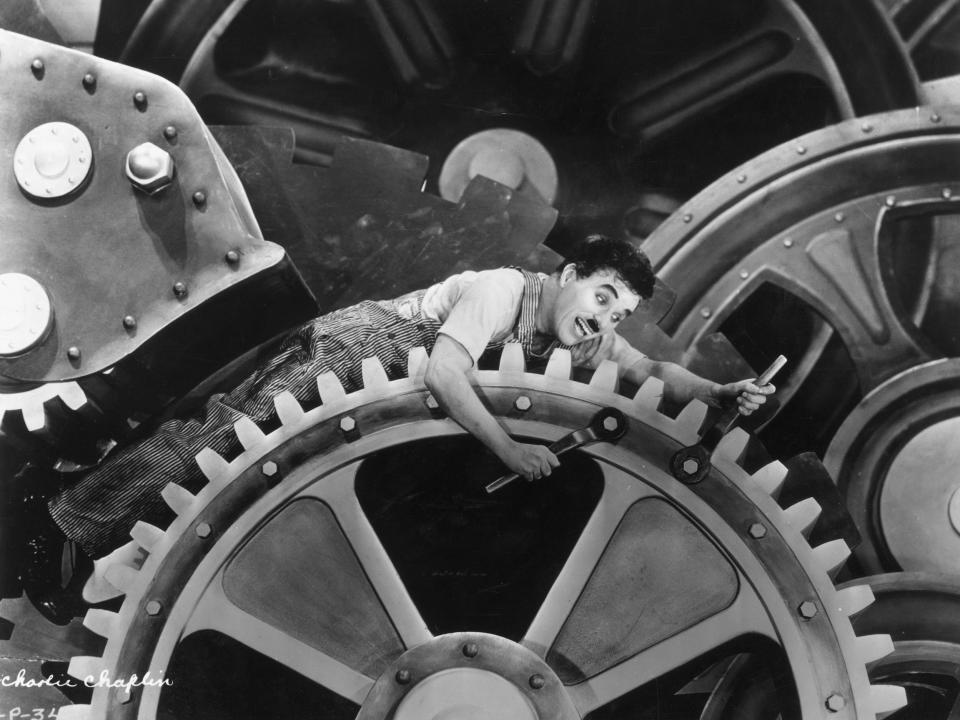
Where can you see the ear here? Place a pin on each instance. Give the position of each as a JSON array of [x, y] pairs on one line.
[[568, 273]]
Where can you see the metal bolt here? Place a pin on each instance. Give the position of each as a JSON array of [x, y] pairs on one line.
[[610, 424], [741, 178], [946, 193], [269, 468], [432, 403], [787, 242], [537, 681], [129, 322], [744, 274], [838, 217], [232, 257], [37, 67], [125, 695], [154, 607], [73, 352], [348, 424], [199, 198], [935, 118], [170, 132], [179, 289], [403, 676], [890, 201], [801, 150], [757, 530], [807, 609], [705, 312], [691, 466], [836, 703], [149, 168], [89, 81], [522, 403], [687, 217], [140, 100], [204, 530], [866, 127], [471, 650]]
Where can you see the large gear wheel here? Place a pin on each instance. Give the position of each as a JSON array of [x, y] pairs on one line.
[[282, 554], [834, 249]]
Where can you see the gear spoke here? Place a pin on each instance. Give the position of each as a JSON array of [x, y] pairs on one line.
[[552, 34], [745, 616], [337, 490], [216, 612], [416, 40]]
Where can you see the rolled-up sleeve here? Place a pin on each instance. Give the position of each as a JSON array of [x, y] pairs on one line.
[[486, 311]]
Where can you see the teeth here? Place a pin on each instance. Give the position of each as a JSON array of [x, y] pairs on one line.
[[584, 328]]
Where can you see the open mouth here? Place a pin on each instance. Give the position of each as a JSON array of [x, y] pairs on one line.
[[587, 327]]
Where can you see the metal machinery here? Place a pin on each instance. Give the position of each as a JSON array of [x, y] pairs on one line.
[[833, 247]]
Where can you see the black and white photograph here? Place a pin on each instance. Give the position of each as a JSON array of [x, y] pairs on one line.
[[480, 359]]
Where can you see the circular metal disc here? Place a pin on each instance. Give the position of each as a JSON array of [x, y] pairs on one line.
[[52, 160], [24, 313], [466, 693]]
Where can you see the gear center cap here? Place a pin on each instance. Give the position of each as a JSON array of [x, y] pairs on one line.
[[465, 694]]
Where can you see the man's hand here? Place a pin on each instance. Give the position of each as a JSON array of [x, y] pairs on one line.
[[748, 395], [529, 461]]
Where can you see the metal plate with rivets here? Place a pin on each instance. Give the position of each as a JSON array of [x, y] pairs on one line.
[[52, 160]]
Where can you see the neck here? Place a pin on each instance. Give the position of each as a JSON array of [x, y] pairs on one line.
[[548, 298]]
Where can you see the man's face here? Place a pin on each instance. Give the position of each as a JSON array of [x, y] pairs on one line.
[[589, 306]]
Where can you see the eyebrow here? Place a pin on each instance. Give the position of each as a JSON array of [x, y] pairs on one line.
[[627, 312]]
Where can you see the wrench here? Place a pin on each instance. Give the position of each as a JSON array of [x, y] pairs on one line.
[[608, 425]]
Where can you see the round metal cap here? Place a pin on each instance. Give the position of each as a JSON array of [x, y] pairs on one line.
[[52, 160], [465, 694], [509, 157], [24, 313]]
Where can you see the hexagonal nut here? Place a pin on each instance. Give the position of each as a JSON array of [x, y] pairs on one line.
[[691, 466], [807, 609], [835, 703], [149, 168], [757, 531]]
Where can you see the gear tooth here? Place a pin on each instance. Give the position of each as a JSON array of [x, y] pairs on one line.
[[690, 419], [871, 648], [330, 388], [511, 359], [417, 360], [373, 373], [74, 712], [34, 415], [560, 364], [650, 393], [212, 465], [288, 409], [72, 395], [732, 445], [885, 699], [802, 516], [606, 377], [853, 599], [146, 535], [122, 577], [84, 666], [178, 498], [770, 477], [102, 622], [831, 555], [248, 433]]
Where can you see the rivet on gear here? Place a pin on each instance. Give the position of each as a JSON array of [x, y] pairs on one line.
[[522, 403], [610, 424], [471, 650], [807, 609], [154, 607], [348, 424], [836, 703], [691, 466], [509, 157], [204, 530], [757, 531], [25, 313], [52, 160], [269, 468]]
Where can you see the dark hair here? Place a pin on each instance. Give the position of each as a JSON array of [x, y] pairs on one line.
[[598, 252]]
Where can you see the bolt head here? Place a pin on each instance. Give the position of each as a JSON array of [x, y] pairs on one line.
[[365, 221], [73, 352], [687, 217], [744, 274], [787, 242], [866, 127], [839, 217], [89, 81], [348, 424], [170, 132], [199, 198], [757, 531], [741, 178], [705, 313], [610, 424], [129, 322], [836, 703], [946, 193], [154, 607], [180, 289], [691, 466], [149, 168], [140, 100], [537, 681], [471, 649], [204, 530], [522, 403], [807, 609], [37, 65], [232, 257], [403, 676], [801, 150], [432, 403], [935, 118], [890, 201], [269, 468]]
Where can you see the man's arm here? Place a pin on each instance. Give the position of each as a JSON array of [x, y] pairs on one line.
[[446, 378]]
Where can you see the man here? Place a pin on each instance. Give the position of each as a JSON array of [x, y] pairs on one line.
[[578, 306]]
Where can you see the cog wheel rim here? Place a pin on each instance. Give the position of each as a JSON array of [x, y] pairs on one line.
[[284, 462], [901, 501]]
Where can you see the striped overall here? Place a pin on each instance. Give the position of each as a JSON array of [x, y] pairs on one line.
[[100, 509]]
